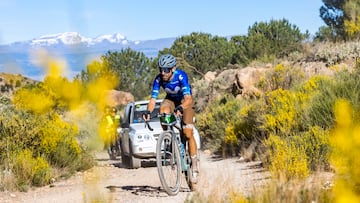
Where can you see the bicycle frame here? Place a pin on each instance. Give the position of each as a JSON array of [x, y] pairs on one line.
[[169, 159], [180, 140]]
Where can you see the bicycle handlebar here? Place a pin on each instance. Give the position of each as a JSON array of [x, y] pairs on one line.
[[147, 124]]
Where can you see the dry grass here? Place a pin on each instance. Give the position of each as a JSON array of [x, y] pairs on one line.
[[256, 186]]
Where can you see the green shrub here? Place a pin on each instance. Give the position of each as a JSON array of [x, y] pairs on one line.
[[212, 124], [247, 128], [344, 85], [276, 38], [231, 125], [334, 53], [17, 84]]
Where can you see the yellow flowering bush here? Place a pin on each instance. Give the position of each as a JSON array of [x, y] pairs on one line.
[[282, 76], [317, 145], [32, 143], [26, 99], [58, 141], [352, 27], [285, 118], [230, 136], [282, 112], [345, 141], [287, 159], [247, 126], [30, 170]]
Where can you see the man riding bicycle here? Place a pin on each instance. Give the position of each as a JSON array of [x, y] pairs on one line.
[[178, 99], [108, 131]]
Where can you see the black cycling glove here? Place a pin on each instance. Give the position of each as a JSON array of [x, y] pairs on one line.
[[179, 108], [147, 115]]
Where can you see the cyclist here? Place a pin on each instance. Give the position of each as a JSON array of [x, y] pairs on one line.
[[116, 143], [178, 99], [116, 117], [108, 127]]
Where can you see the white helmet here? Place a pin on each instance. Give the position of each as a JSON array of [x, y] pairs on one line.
[[167, 61]]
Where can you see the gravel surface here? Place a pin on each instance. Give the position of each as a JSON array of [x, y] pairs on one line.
[[111, 181]]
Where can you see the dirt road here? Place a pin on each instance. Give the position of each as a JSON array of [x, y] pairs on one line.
[[111, 181]]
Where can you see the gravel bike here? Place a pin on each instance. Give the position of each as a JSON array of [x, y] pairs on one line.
[[172, 157]]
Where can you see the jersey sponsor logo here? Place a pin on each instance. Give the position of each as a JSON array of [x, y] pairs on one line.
[[175, 91], [181, 77]]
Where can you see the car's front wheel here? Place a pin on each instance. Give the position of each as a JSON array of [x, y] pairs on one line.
[[124, 159], [134, 162]]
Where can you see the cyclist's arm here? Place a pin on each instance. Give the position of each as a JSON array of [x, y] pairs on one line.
[[186, 89], [187, 102], [151, 104], [154, 93]]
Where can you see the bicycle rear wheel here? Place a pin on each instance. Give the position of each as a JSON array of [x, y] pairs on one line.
[[168, 163], [188, 171]]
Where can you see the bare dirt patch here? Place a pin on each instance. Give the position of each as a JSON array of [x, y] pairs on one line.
[[111, 181]]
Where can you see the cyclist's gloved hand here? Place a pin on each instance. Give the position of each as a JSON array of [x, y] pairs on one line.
[[179, 108], [146, 116]]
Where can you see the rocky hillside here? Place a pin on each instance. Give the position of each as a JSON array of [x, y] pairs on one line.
[[241, 81], [9, 83]]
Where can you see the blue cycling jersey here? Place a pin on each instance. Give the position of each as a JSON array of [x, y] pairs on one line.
[[175, 89]]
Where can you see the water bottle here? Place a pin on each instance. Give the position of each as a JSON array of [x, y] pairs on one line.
[[182, 154], [182, 150]]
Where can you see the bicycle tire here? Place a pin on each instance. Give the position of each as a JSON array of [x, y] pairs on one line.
[[188, 172], [168, 162]]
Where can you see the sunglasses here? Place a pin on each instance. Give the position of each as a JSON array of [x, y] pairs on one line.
[[165, 70]]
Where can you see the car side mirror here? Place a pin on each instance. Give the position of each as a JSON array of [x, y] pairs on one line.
[[125, 125]]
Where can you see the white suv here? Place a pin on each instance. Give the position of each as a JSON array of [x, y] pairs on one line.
[[137, 142]]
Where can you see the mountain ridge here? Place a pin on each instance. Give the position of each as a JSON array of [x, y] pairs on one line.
[[74, 40], [75, 49]]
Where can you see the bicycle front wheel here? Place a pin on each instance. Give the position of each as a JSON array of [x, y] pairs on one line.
[[168, 163]]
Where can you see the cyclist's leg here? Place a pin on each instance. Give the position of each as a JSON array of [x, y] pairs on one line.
[[167, 106], [188, 116]]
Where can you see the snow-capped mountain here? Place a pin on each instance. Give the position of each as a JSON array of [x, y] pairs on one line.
[[75, 48], [74, 38], [70, 40], [115, 38]]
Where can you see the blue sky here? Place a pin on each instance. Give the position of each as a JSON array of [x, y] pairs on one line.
[[145, 19]]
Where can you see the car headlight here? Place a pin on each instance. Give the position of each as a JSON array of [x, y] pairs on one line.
[[146, 137], [142, 137]]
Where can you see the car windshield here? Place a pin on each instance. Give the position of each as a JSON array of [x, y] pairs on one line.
[[142, 108]]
